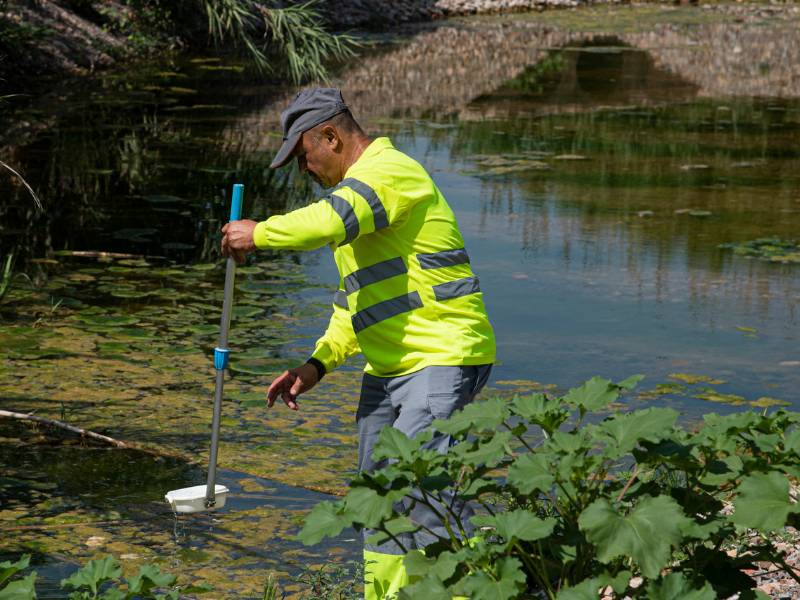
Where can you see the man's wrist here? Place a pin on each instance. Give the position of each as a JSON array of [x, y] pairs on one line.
[[317, 364]]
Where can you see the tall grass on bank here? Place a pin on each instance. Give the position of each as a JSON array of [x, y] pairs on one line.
[[295, 35], [7, 270]]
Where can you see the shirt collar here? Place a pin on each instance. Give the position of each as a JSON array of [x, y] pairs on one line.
[[378, 144]]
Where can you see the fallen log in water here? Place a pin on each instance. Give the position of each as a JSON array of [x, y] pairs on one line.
[[65, 426]]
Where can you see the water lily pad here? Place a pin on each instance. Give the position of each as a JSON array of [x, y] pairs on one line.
[[129, 293], [570, 157], [766, 401], [692, 379], [107, 320], [712, 396], [771, 249]]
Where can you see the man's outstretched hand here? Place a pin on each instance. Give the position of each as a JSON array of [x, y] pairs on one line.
[[291, 384], [237, 239]]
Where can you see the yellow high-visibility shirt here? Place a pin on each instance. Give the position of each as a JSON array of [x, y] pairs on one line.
[[407, 297]]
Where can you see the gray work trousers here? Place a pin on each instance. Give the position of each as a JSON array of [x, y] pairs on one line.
[[410, 403]]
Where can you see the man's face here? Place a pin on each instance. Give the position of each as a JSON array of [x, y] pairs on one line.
[[315, 157]]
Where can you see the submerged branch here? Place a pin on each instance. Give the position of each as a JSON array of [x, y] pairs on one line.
[[71, 428]]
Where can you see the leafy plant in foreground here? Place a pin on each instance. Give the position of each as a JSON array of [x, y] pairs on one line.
[[100, 578], [571, 502]]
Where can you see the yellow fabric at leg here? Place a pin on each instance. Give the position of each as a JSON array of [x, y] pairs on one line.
[[384, 575]]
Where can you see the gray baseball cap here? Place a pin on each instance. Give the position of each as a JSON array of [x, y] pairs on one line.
[[308, 109]]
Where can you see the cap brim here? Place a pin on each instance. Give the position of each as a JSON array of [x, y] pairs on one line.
[[284, 155]]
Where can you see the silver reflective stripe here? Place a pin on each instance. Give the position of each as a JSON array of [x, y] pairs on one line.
[[348, 216], [445, 258], [457, 288], [383, 310], [340, 299], [374, 273], [366, 192]]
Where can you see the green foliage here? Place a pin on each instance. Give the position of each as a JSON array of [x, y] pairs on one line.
[[332, 582], [573, 498], [771, 249], [100, 578], [294, 35], [19, 589]]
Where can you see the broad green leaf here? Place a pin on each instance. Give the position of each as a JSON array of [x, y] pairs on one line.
[[475, 487], [510, 581], [588, 589], [149, 577], [393, 443], [675, 586], [763, 502], [7, 568], [484, 415], [483, 453], [367, 506], [540, 410], [594, 394], [647, 534], [791, 441], [722, 470], [326, 519], [631, 382], [396, 526], [568, 443], [518, 524], [531, 472], [114, 593], [93, 574], [21, 589], [627, 430], [442, 567], [429, 587]]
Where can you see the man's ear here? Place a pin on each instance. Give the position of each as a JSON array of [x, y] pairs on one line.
[[331, 137]]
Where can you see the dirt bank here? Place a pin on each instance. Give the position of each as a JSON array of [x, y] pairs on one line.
[[42, 40]]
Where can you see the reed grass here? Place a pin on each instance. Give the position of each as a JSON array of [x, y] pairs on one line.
[[294, 36], [27, 186]]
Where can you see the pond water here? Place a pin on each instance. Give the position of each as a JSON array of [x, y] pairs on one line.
[[598, 162]]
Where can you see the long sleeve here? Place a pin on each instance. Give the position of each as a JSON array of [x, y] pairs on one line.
[[306, 228], [338, 342]]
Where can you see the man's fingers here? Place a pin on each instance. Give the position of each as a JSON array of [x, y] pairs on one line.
[[279, 386]]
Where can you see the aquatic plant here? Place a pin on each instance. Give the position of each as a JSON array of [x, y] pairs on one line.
[[573, 500], [101, 578], [772, 249], [295, 33], [333, 581]]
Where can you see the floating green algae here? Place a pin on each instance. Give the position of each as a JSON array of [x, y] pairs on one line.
[[692, 379], [769, 249]]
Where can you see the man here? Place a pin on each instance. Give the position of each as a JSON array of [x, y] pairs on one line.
[[407, 296]]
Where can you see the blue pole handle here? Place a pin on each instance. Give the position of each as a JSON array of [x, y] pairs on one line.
[[236, 202]]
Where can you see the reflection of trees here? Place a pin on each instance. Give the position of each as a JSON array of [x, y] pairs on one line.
[[122, 159]]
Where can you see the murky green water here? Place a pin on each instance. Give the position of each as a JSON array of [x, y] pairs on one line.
[[597, 162]]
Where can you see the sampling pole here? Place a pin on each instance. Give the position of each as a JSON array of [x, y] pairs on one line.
[[221, 352]]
